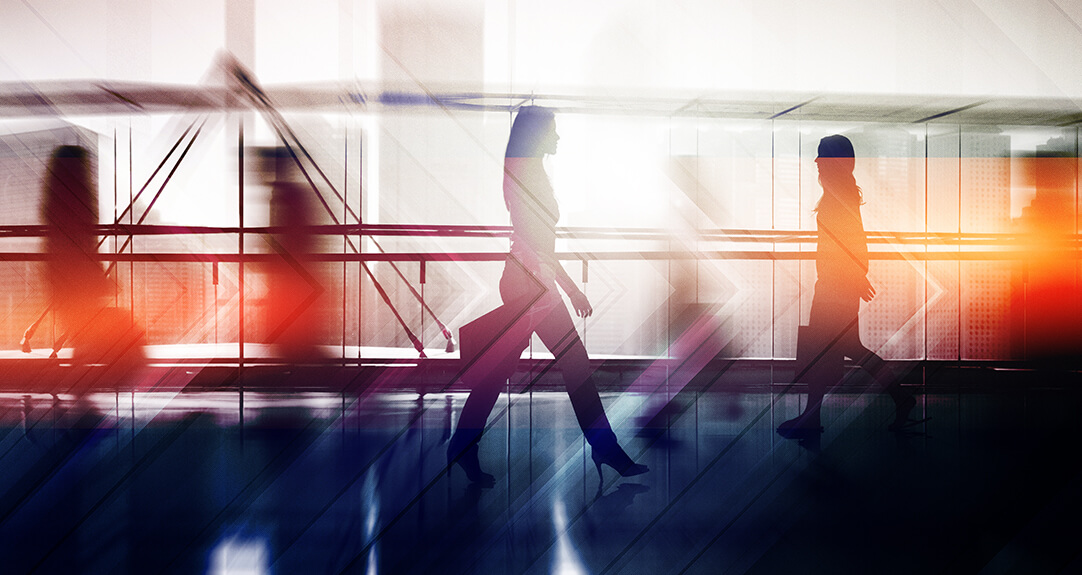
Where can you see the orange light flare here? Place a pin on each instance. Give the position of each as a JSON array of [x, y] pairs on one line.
[[294, 307], [1047, 236]]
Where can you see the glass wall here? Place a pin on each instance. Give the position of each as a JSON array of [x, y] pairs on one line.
[[666, 220]]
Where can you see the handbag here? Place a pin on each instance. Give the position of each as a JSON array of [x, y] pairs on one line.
[[481, 333], [490, 346]]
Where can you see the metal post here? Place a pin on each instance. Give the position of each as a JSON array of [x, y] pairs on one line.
[[240, 266]]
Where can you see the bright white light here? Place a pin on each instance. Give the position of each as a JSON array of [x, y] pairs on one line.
[[371, 163], [567, 560], [608, 172], [370, 500], [235, 556]]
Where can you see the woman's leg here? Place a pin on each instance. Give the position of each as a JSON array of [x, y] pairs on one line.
[[818, 367], [501, 345], [870, 362], [820, 354], [557, 331], [475, 412], [887, 381], [498, 349], [462, 447]]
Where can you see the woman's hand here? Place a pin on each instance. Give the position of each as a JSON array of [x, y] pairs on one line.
[[581, 304], [867, 292]]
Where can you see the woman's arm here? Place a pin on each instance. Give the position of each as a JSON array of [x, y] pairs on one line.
[[578, 299], [867, 291]]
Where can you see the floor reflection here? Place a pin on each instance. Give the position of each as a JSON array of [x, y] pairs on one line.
[[236, 556], [567, 561], [330, 483]]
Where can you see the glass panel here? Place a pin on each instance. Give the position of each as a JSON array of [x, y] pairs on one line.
[[680, 218]]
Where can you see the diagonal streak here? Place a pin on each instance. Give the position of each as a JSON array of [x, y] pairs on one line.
[[144, 462], [699, 477], [259, 483], [737, 517], [691, 485], [414, 419]]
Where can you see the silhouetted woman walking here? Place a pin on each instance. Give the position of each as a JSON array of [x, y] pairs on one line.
[[76, 280], [78, 286], [841, 266], [533, 305]]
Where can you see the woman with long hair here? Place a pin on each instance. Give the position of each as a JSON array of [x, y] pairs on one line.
[[78, 287], [841, 267], [76, 280], [531, 304]]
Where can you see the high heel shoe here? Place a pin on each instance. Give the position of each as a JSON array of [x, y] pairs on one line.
[[471, 465], [801, 426], [617, 459]]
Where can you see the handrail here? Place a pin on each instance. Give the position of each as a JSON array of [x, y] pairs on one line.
[[660, 255], [570, 233]]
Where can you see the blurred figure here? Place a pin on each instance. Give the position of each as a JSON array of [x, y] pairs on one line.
[[531, 304], [78, 288], [1052, 321], [841, 267], [76, 280], [295, 289]]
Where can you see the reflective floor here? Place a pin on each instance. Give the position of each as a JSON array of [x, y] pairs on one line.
[[336, 483]]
